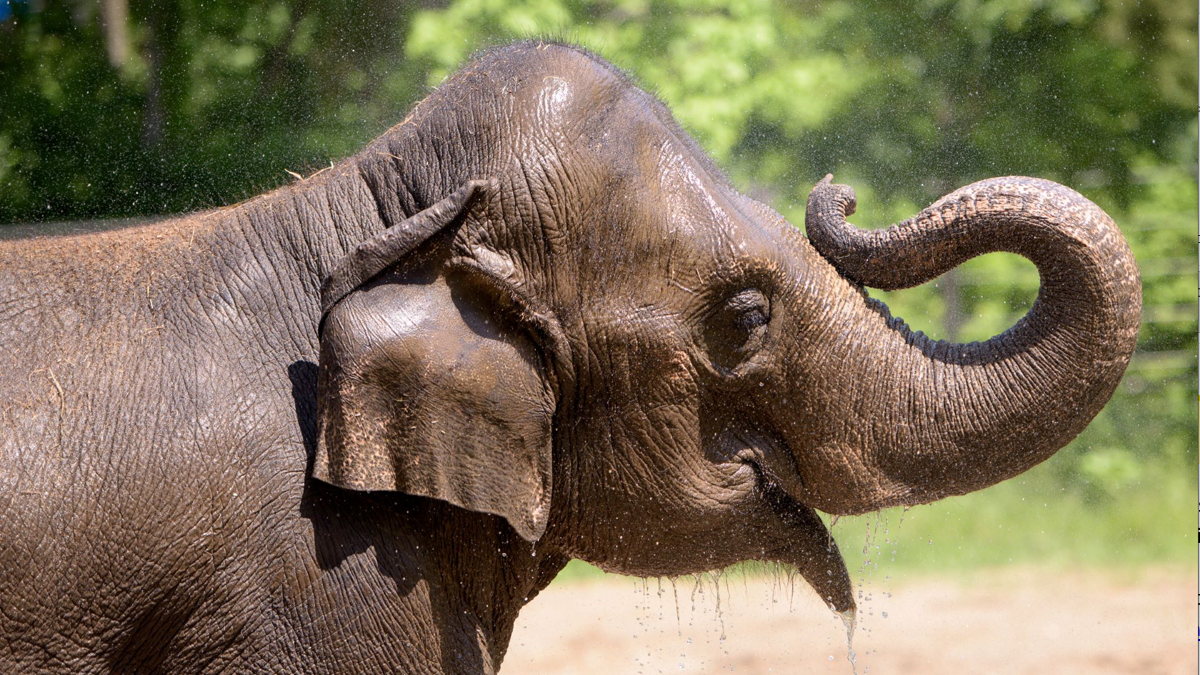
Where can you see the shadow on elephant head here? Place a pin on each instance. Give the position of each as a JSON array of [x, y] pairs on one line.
[[578, 325]]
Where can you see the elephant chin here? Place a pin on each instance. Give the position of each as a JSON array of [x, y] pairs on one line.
[[810, 548], [803, 542]]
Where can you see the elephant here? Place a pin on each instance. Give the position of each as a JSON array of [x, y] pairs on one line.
[[356, 423]]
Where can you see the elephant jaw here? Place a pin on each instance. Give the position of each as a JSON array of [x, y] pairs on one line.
[[804, 542], [810, 548]]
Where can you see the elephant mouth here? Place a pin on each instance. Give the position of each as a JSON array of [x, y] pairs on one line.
[[772, 460]]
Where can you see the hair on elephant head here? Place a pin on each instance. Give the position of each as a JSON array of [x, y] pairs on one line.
[[576, 323]]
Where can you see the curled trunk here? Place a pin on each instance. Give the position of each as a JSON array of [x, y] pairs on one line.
[[931, 418]]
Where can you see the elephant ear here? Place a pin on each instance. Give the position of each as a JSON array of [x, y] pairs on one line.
[[431, 381]]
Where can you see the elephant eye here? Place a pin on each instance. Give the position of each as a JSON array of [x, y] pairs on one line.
[[734, 329], [750, 309]]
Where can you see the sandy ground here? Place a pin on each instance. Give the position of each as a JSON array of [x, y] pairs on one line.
[[1023, 621]]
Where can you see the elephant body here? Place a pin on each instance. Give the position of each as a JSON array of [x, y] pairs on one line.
[[355, 424], [159, 395]]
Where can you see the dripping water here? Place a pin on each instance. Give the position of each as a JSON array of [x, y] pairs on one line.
[[678, 621], [848, 619]]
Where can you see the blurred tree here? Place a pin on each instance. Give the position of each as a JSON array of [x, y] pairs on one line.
[[184, 104], [115, 19]]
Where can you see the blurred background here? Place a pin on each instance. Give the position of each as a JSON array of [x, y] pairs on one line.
[[124, 108]]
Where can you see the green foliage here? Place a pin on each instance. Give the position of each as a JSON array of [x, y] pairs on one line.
[[1033, 520], [215, 103], [903, 100]]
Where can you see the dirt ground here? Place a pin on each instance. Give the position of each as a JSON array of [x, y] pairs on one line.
[[1023, 621]]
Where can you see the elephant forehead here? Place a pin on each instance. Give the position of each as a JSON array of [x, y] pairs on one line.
[[692, 201], [554, 100], [703, 213]]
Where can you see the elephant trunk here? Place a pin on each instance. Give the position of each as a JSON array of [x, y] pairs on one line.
[[926, 419]]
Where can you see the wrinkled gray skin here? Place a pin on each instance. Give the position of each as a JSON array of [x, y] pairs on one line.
[[598, 350]]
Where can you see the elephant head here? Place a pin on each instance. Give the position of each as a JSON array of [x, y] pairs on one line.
[[576, 323]]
